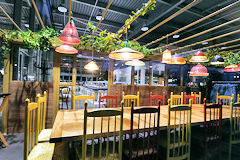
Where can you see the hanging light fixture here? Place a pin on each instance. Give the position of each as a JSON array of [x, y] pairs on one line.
[[167, 56], [135, 63], [67, 49], [176, 59], [99, 15], [92, 66], [199, 57], [217, 60], [231, 68], [126, 54], [70, 34], [199, 70]]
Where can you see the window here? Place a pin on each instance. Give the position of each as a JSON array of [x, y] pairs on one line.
[[122, 73], [158, 73], [141, 74], [32, 65]]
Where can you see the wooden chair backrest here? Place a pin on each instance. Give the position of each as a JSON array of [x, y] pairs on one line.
[[127, 99], [110, 101], [198, 97], [155, 98], [149, 144], [176, 99], [42, 104], [111, 125], [212, 120], [235, 123], [188, 97], [179, 131], [226, 100], [238, 98], [80, 100], [31, 129]]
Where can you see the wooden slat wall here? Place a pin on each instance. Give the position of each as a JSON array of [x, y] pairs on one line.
[[145, 92], [19, 92]]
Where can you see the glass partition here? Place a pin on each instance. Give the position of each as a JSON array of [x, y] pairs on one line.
[[141, 74], [158, 73], [32, 65], [122, 73]]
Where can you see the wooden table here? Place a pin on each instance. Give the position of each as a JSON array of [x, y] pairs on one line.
[[68, 125], [5, 96]]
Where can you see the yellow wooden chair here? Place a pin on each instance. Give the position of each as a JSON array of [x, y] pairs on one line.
[[198, 97], [238, 98], [234, 138], [179, 131], [80, 100], [176, 99], [32, 149], [44, 134], [127, 99], [108, 133], [226, 100]]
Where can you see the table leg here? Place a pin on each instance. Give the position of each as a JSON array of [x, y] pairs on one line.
[[3, 140]]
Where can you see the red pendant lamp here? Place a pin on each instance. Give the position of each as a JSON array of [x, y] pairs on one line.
[[70, 34], [67, 49], [176, 59], [199, 70], [167, 56], [199, 57], [231, 68]]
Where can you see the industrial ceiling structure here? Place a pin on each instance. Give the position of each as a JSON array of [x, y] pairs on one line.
[[217, 28]]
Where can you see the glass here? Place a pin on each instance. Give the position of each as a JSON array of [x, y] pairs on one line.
[[122, 73], [158, 73], [141, 74], [66, 67], [32, 65]]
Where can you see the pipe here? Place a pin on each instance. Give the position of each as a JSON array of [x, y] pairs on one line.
[[237, 45], [39, 17], [109, 4], [168, 19], [198, 34], [135, 17], [70, 10], [10, 19], [207, 40], [194, 23]]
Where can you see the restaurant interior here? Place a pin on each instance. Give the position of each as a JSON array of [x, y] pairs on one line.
[[118, 79]]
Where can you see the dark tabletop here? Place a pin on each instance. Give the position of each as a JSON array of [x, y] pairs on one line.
[[4, 94]]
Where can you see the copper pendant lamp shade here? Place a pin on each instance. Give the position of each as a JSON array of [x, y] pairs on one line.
[[126, 54], [231, 68], [176, 59], [199, 57], [199, 70], [67, 49], [70, 34], [135, 63], [167, 56], [217, 60], [92, 66]]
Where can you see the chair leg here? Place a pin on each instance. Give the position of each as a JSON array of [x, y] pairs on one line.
[[3, 140]]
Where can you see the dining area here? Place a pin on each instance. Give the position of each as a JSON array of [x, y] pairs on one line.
[[126, 130]]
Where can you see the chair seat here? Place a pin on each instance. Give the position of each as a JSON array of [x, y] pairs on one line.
[[44, 135], [112, 156], [42, 151], [141, 153]]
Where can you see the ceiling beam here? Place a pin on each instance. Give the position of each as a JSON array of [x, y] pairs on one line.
[[102, 5]]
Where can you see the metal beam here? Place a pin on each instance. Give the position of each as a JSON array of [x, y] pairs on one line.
[[86, 17], [17, 12], [102, 5]]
